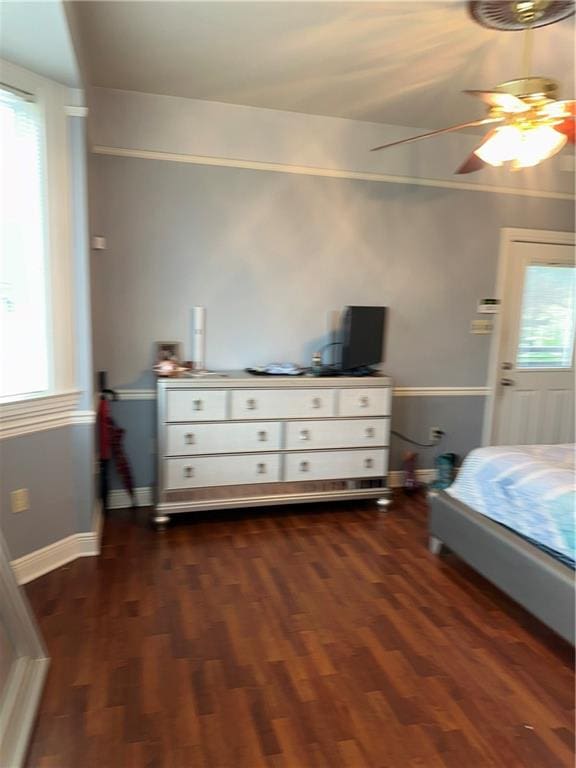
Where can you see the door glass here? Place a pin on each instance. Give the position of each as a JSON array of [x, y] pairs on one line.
[[546, 338]]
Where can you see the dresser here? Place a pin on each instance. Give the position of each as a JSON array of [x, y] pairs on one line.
[[236, 440]]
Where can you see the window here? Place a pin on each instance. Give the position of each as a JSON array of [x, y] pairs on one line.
[[23, 274], [548, 316]]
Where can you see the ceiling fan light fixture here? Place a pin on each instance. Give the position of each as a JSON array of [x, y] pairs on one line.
[[538, 144], [501, 146], [524, 147]]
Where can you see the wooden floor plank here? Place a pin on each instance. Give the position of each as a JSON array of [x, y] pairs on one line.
[[312, 637]]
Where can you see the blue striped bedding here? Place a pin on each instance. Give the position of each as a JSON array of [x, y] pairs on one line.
[[530, 489]]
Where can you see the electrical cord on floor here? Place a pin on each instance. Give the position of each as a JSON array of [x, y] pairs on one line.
[[415, 442]]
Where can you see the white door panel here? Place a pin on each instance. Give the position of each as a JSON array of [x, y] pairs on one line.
[[535, 389]]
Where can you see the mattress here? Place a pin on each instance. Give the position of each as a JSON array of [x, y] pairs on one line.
[[530, 489]]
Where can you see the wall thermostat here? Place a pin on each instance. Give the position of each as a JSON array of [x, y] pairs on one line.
[[488, 306]]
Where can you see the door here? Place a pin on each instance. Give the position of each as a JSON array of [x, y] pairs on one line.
[[534, 384]]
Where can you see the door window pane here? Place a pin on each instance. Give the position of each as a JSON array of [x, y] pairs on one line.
[[546, 338]]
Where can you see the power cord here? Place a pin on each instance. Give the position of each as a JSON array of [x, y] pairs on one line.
[[439, 433]]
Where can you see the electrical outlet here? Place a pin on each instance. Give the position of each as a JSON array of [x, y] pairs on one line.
[[435, 435], [20, 500]]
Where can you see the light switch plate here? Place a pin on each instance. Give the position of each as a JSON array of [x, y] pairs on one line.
[[99, 243], [481, 326]]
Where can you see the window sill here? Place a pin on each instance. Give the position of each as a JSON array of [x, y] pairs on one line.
[[41, 412]]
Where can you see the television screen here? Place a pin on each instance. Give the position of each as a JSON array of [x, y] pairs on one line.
[[363, 337]]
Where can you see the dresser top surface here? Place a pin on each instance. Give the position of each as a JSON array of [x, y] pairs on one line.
[[244, 380]]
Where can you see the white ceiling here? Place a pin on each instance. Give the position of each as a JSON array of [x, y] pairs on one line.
[[403, 63], [35, 35]]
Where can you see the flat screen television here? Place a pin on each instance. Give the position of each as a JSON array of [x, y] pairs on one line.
[[362, 337]]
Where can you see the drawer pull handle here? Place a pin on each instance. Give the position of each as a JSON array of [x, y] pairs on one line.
[[370, 431], [262, 436], [198, 405], [364, 402], [190, 439], [304, 466], [188, 471], [261, 469], [368, 463], [316, 402], [304, 434], [251, 404]]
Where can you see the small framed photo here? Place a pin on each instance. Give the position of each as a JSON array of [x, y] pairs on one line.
[[168, 350]]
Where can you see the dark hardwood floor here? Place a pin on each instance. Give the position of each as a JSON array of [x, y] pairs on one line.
[[296, 638]]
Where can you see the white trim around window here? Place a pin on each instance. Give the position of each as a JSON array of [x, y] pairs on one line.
[[53, 99]]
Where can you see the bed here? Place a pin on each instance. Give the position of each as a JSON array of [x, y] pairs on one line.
[[510, 515]]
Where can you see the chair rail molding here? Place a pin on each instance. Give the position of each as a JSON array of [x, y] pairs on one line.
[[36, 414], [334, 173], [150, 394]]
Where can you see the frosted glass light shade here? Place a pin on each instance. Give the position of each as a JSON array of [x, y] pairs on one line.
[[501, 146], [524, 147], [538, 144]]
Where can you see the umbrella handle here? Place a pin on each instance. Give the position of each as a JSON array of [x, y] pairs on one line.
[[103, 389]]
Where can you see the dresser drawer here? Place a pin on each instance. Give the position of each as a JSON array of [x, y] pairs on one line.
[[207, 471], [334, 465], [196, 405], [370, 401], [337, 433], [282, 403], [194, 439]]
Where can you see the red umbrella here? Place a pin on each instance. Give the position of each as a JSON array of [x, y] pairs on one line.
[[110, 445]]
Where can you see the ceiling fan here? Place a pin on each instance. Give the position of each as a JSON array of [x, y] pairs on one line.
[[529, 124]]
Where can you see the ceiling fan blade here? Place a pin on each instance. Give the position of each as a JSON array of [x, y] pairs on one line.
[[568, 125], [439, 131], [505, 101], [474, 163]]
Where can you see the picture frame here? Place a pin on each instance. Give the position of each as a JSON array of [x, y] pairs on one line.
[[168, 350]]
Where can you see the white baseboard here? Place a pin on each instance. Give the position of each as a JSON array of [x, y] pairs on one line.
[[120, 499], [41, 561]]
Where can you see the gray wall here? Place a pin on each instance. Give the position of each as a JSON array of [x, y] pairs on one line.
[[270, 254], [41, 462]]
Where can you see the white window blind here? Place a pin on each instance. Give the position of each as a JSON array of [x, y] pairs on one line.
[[23, 275]]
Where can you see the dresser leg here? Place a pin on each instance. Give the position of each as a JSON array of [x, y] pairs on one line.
[[385, 500], [159, 521]]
